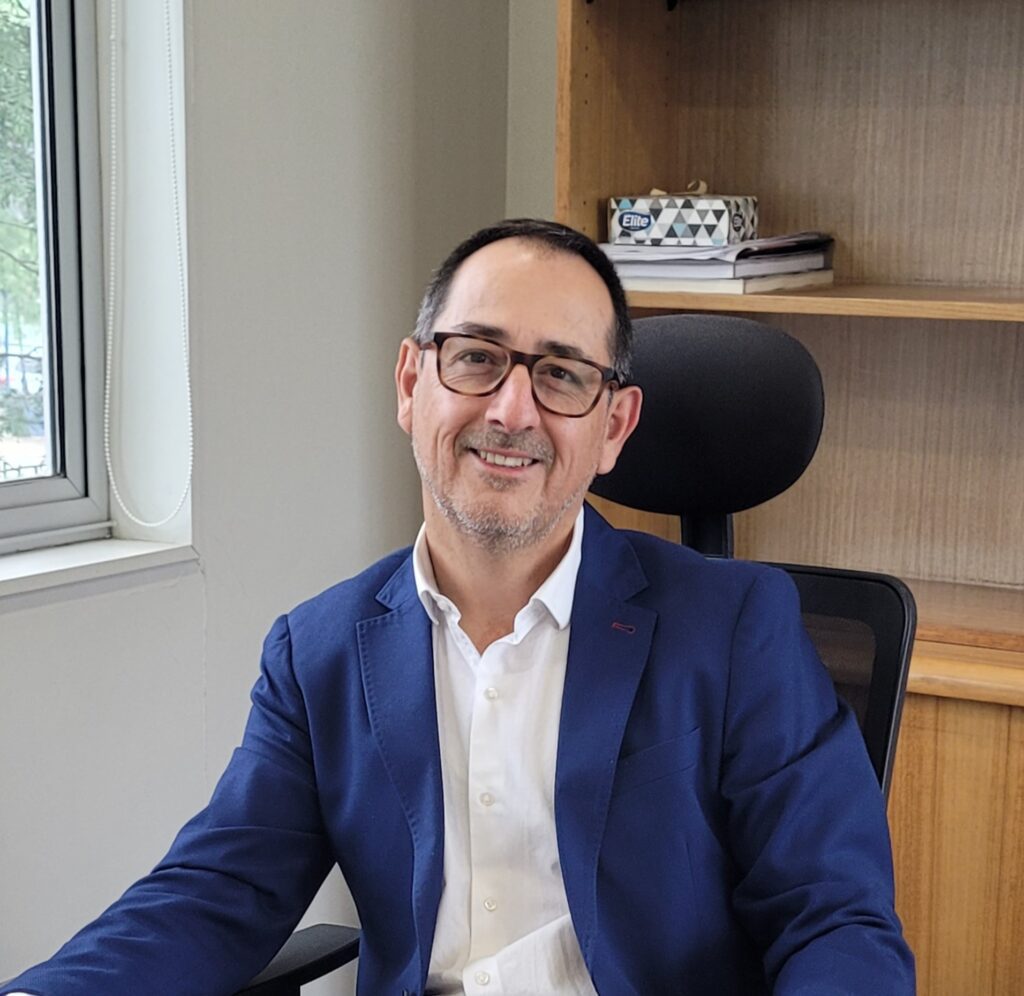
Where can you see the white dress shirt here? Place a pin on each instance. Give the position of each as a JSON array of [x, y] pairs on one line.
[[503, 923]]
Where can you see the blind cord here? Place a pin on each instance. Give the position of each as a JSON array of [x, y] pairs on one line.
[[113, 283]]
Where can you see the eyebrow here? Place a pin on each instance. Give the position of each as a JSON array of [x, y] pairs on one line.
[[548, 347], [484, 331], [554, 348]]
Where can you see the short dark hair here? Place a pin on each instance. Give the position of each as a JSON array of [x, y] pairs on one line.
[[559, 238]]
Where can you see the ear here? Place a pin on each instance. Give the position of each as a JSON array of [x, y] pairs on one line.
[[407, 372], [620, 421]]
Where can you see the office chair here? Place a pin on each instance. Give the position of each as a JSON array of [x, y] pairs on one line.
[[306, 955], [732, 415]]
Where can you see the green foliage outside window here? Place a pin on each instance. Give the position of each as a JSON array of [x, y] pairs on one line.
[[20, 333]]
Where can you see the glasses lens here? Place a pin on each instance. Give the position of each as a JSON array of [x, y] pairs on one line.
[[471, 366], [566, 386]]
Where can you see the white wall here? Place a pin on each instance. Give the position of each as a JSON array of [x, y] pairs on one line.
[[336, 150]]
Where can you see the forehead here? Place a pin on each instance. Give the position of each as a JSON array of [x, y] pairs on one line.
[[536, 295]]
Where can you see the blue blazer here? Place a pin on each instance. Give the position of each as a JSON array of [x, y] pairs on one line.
[[720, 828]]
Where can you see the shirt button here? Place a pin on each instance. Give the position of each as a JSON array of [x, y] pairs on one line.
[[490, 905], [486, 799], [482, 978], [491, 693]]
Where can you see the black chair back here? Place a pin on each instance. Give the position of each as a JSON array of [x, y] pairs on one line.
[[733, 412], [732, 415], [862, 625]]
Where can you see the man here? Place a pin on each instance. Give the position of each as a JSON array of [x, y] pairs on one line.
[[548, 756]]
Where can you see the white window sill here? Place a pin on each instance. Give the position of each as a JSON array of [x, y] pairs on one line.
[[77, 563]]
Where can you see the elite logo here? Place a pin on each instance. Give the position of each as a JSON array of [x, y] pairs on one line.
[[634, 221]]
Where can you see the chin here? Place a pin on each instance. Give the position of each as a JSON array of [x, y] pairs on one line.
[[497, 527]]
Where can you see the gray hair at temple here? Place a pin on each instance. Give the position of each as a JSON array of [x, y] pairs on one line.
[[556, 237]]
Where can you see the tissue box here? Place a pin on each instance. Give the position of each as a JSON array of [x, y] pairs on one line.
[[682, 220]]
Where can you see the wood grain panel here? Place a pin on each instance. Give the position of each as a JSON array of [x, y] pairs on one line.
[[953, 826], [607, 141], [920, 470], [1009, 913], [895, 124], [913, 819]]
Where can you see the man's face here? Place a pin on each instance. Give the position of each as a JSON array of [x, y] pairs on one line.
[[501, 469]]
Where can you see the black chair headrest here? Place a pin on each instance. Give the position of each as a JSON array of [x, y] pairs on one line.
[[731, 417]]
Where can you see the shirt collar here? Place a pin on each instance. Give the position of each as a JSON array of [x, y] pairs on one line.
[[555, 593]]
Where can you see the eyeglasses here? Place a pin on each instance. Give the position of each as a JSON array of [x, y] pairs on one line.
[[562, 385]]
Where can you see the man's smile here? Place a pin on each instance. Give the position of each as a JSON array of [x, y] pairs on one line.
[[506, 454], [497, 459]]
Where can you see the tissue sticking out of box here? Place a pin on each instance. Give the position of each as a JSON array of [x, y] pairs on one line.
[[695, 188]]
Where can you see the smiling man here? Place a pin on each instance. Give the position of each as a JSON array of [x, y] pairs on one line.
[[550, 757], [507, 442]]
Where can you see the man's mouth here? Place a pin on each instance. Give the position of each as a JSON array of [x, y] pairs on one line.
[[502, 460], [506, 452]]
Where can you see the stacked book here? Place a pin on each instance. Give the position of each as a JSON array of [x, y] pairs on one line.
[[784, 262]]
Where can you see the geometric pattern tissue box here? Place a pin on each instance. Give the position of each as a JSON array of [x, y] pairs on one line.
[[682, 220]]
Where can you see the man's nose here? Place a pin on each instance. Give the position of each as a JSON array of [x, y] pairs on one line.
[[513, 406]]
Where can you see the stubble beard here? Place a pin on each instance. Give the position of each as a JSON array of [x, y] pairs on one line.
[[496, 531]]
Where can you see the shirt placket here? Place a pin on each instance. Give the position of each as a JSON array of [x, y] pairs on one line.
[[487, 787]]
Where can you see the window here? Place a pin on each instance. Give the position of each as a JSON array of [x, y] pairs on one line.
[[52, 479]]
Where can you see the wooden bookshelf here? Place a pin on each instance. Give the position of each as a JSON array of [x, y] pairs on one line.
[[899, 128], [864, 300]]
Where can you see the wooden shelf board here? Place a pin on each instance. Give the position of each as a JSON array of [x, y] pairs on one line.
[[970, 642], [969, 615], [870, 300], [976, 674]]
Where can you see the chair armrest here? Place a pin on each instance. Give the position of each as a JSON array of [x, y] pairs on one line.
[[306, 955]]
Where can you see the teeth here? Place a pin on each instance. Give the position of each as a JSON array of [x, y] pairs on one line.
[[504, 461]]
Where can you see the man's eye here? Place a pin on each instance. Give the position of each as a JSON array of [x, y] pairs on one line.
[[476, 357], [566, 376]]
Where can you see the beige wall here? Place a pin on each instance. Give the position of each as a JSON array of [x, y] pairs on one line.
[[530, 180]]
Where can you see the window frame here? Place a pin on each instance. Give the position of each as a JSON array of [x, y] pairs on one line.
[[72, 504]]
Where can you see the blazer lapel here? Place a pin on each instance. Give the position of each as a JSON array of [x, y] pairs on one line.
[[608, 648], [397, 664]]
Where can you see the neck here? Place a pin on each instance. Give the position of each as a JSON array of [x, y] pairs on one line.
[[490, 586]]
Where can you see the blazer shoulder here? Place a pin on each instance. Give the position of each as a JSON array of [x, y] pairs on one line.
[[353, 599]]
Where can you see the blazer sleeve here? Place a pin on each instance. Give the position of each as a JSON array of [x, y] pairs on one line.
[[236, 880], [806, 816]]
